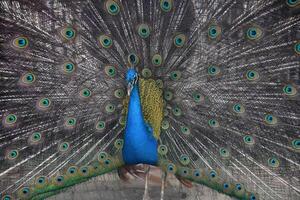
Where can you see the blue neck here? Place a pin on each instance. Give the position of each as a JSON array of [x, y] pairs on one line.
[[135, 112], [140, 146]]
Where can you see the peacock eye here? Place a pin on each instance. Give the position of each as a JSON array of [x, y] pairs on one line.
[[64, 146], [59, 179], [162, 149], [159, 83], [28, 78], [119, 93], [146, 72], [68, 33], [248, 139], [289, 90], [197, 173], [238, 108], [133, 59], [20, 42], [179, 40], [119, 143], [68, 67], [225, 186], [185, 130], [213, 174], [214, 31], [165, 124], [84, 170], [36, 137], [122, 120], [112, 7], [224, 152], [296, 144], [168, 95], [10, 119], [184, 171], [102, 156], [176, 111], [107, 162], [166, 5], [72, 170], [157, 60], [105, 41], [44, 103], [110, 108], [85, 93], [270, 119], [213, 123], [41, 180], [252, 75], [238, 187], [70, 122], [297, 47], [254, 33], [175, 75], [171, 168], [213, 70], [197, 97], [273, 162], [293, 3], [25, 191], [252, 197], [143, 31], [184, 159], [110, 71], [7, 197], [13, 154]]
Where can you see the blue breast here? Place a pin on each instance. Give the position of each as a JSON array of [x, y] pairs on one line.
[[139, 144]]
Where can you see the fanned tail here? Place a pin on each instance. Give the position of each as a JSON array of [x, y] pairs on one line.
[[229, 72]]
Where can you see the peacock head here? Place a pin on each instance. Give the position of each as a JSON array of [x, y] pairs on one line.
[[132, 79]]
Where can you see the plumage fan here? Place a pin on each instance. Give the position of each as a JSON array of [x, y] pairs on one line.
[[205, 90]]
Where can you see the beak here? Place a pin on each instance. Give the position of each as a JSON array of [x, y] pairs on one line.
[[129, 88]]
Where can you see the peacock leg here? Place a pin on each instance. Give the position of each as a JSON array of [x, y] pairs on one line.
[[146, 192], [163, 184]]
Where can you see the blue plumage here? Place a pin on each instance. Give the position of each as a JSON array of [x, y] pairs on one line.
[[140, 146]]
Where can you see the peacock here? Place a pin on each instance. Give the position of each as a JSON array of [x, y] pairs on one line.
[[207, 91]]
